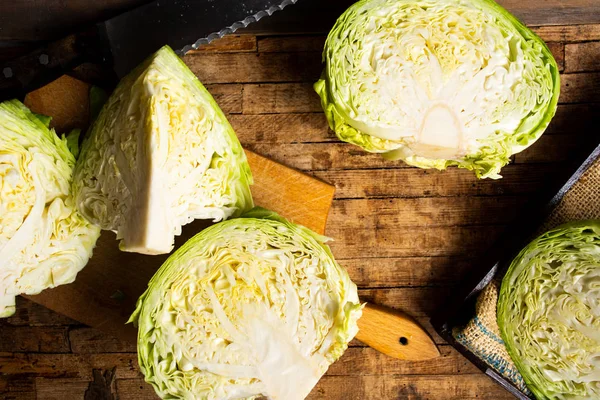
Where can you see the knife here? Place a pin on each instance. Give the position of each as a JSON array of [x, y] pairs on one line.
[[126, 40]]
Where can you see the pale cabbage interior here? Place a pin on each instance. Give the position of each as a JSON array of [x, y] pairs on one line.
[[549, 312], [437, 82], [160, 155], [44, 241], [248, 307]]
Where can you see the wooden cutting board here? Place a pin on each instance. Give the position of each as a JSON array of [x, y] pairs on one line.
[[106, 290]]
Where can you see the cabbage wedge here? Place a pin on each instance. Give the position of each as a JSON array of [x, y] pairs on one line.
[[250, 307], [159, 155], [438, 83], [44, 241], [549, 312]]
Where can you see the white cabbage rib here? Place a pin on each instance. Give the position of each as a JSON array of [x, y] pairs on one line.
[[160, 155], [44, 241], [251, 307], [549, 312], [437, 82]]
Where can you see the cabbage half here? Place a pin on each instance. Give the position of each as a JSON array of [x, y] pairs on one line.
[[438, 82], [549, 312], [44, 241], [160, 154], [248, 307]]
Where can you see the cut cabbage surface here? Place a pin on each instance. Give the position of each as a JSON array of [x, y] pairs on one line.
[[438, 82], [549, 312], [160, 154], [44, 241], [250, 307]]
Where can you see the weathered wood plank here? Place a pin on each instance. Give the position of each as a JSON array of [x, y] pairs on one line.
[[228, 44], [32, 314], [580, 88], [553, 148], [424, 211], [39, 339], [78, 366], [417, 301], [135, 389], [406, 271], [282, 128], [558, 51], [415, 182], [373, 387], [568, 33], [322, 156], [358, 361], [60, 389], [12, 385], [255, 67], [412, 241], [86, 340], [282, 44], [286, 98], [582, 57], [228, 97]]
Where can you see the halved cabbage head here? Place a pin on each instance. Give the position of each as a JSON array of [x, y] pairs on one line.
[[549, 312], [248, 307], [437, 82], [160, 154], [44, 241]]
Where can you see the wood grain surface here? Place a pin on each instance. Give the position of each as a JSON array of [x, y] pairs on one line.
[[407, 236]]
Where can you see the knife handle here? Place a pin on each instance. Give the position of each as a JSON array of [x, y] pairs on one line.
[[396, 334], [45, 64]]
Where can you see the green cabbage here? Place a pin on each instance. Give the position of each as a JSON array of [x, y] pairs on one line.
[[549, 312], [438, 82], [44, 241], [248, 307], [160, 154]]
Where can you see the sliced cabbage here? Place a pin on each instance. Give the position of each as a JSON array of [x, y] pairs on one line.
[[160, 154], [549, 312], [438, 82], [254, 306], [44, 241]]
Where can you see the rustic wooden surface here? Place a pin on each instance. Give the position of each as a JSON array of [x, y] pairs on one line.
[[407, 236]]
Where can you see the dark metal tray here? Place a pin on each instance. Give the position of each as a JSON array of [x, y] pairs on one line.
[[461, 308]]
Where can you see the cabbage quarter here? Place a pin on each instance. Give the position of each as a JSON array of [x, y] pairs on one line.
[[438, 82], [160, 154], [44, 241], [549, 312], [250, 307]]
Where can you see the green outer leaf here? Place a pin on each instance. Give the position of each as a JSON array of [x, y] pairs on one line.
[[571, 251], [493, 155]]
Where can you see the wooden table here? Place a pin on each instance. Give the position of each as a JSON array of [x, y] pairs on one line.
[[406, 235]]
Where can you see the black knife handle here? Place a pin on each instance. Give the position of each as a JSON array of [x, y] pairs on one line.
[[45, 64]]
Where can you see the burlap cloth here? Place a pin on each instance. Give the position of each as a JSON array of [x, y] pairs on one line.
[[481, 334]]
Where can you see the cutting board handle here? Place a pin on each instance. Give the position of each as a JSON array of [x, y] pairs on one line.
[[395, 333]]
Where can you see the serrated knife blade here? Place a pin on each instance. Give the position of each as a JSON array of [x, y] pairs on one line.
[[125, 40], [182, 24]]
